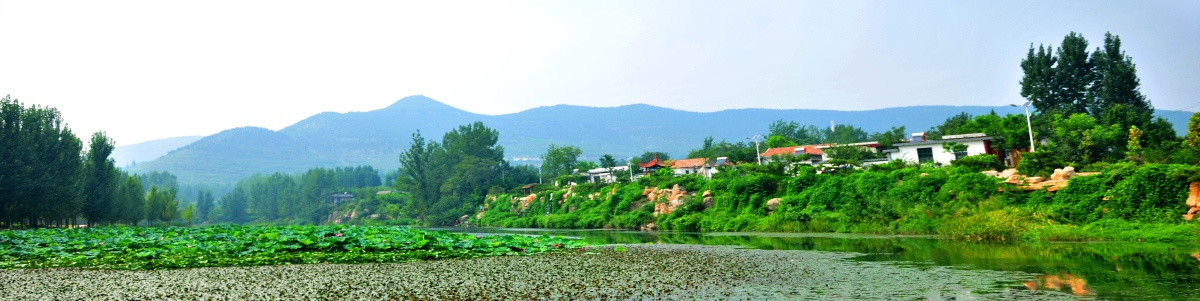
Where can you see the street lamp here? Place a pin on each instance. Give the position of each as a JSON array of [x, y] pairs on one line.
[[1028, 124], [756, 151], [630, 164]]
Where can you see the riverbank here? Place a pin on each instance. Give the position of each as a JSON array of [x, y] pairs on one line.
[[1118, 202], [643, 271]]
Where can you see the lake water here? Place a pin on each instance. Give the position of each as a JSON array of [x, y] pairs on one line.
[[1107, 271]]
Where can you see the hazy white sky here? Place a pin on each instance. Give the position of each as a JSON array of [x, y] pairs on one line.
[[143, 70]]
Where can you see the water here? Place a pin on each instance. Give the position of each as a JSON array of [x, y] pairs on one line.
[[1108, 271]]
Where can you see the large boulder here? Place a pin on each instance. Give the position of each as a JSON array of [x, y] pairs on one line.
[[773, 204], [1063, 174], [1193, 201], [708, 199]]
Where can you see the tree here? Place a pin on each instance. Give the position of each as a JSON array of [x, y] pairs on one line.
[[779, 141], [794, 132], [233, 205], [1115, 96], [559, 161], [100, 180], [890, 137], [649, 156], [204, 205], [1134, 145], [39, 167], [161, 205], [585, 165], [417, 177], [1073, 75], [131, 201], [736, 152], [189, 214], [608, 161]]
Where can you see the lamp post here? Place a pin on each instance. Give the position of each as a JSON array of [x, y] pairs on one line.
[[756, 151], [1029, 124], [630, 164]]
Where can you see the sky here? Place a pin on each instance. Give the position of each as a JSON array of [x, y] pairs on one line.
[[144, 70]]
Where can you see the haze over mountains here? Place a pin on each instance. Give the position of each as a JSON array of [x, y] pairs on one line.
[[378, 137]]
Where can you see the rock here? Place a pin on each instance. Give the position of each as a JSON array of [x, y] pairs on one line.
[[674, 200], [1193, 201], [1008, 173], [526, 200], [773, 204], [649, 227], [1013, 179], [708, 199], [991, 173], [1034, 180], [1063, 174], [462, 219]]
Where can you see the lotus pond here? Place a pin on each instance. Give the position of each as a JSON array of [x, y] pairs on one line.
[[186, 247], [1092, 270]]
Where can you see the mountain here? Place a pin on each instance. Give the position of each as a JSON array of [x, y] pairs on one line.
[[127, 155], [377, 137]]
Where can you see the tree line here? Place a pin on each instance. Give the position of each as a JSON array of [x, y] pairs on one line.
[[280, 198], [47, 179]]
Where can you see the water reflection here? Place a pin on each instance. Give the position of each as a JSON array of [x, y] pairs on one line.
[[1137, 271], [1077, 285]]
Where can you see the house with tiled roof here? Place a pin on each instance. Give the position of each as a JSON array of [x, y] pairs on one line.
[[689, 166], [653, 165], [814, 154], [805, 153]]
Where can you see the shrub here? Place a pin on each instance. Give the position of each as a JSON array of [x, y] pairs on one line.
[[978, 163]]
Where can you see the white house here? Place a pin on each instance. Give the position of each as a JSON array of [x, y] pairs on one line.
[[919, 150], [700, 166], [607, 176]]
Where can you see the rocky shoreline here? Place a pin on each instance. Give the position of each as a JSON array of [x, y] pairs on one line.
[[642, 272]]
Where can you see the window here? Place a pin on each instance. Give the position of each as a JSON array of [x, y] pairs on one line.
[[925, 155]]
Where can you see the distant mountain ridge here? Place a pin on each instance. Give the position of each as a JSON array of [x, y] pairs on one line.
[[127, 155], [378, 137]]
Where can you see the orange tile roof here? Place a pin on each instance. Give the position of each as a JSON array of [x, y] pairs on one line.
[[791, 150], [652, 163], [688, 163]]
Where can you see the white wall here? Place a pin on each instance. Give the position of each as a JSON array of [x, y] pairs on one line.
[[908, 153]]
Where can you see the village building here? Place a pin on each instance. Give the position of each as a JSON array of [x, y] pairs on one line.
[[920, 150], [690, 166], [653, 165], [809, 154], [607, 175], [339, 198]]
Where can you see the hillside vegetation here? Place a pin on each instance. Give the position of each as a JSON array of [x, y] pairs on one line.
[[1125, 201]]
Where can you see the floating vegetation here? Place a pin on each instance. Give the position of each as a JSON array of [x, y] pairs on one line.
[[643, 272], [187, 247]]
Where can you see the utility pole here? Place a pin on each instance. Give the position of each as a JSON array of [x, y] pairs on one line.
[[756, 151], [1029, 125]]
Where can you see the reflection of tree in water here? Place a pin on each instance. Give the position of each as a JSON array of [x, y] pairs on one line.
[[1078, 285]]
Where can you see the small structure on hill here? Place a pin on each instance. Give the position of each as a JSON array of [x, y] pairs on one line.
[[653, 165], [339, 198], [920, 150]]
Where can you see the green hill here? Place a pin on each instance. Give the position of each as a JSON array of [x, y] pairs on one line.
[[377, 137]]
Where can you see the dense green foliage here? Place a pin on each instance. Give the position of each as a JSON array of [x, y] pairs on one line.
[[278, 198], [443, 181], [955, 201], [186, 247]]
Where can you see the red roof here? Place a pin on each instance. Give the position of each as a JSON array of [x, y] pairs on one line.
[[689, 163], [653, 163], [792, 150]]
